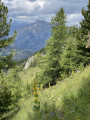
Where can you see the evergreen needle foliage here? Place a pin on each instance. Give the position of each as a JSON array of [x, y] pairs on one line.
[[83, 37], [9, 80], [6, 61], [54, 49], [69, 57], [67, 49]]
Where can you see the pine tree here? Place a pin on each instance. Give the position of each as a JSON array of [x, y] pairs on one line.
[[7, 95], [83, 37], [7, 61], [54, 48]]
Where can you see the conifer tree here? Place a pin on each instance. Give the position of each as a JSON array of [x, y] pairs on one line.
[[68, 61], [85, 24], [7, 61], [83, 37], [72, 31], [55, 47], [7, 95]]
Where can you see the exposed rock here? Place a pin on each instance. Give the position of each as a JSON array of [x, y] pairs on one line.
[[29, 61]]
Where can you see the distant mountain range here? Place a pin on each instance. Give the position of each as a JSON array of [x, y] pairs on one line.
[[30, 38], [33, 36], [19, 53]]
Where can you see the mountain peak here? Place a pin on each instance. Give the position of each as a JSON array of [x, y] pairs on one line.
[[37, 20], [33, 36]]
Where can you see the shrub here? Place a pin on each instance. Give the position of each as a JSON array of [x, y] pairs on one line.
[[10, 90]]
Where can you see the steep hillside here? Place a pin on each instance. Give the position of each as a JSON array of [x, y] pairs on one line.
[[68, 100]]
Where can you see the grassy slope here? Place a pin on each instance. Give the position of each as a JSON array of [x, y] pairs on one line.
[[69, 99], [28, 75]]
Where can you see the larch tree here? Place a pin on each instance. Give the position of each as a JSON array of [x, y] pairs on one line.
[[54, 48], [68, 61]]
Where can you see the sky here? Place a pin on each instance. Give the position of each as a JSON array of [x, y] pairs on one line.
[[30, 10]]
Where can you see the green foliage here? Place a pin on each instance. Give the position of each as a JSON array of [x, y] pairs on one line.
[[6, 62], [5, 96], [10, 90], [5, 41], [54, 49], [85, 24], [42, 51], [69, 99], [78, 107], [59, 101], [9, 81], [36, 106], [4, 27], [72, 31], [69, 57], [83, 36], [21, 62], [34, 63], [28, 90]]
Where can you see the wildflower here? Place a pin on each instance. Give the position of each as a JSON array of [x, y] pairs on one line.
[[37, 88], [53, 113], [72, 72], [34, 88], [36, 99], [35, 93], [57, 110], [49, 84], [77, 117]]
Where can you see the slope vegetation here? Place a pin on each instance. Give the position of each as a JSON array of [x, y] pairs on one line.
[[67, 100]]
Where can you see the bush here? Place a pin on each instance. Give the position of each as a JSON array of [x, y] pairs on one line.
[[10, 90]]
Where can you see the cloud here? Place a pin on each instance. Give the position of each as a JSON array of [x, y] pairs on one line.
[[30, 10], [74, 19]]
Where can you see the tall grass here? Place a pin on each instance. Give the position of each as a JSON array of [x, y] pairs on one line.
[[68, 100]]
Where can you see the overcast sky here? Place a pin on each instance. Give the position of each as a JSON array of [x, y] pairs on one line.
[[31, 10]]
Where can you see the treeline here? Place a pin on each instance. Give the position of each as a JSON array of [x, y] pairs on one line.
[[67, 50]]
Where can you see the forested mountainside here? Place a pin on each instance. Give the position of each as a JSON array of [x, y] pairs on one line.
[[30, 38], [19, 54]]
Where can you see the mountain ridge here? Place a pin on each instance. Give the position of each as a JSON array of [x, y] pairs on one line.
[[33, 36], [19, 53]]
